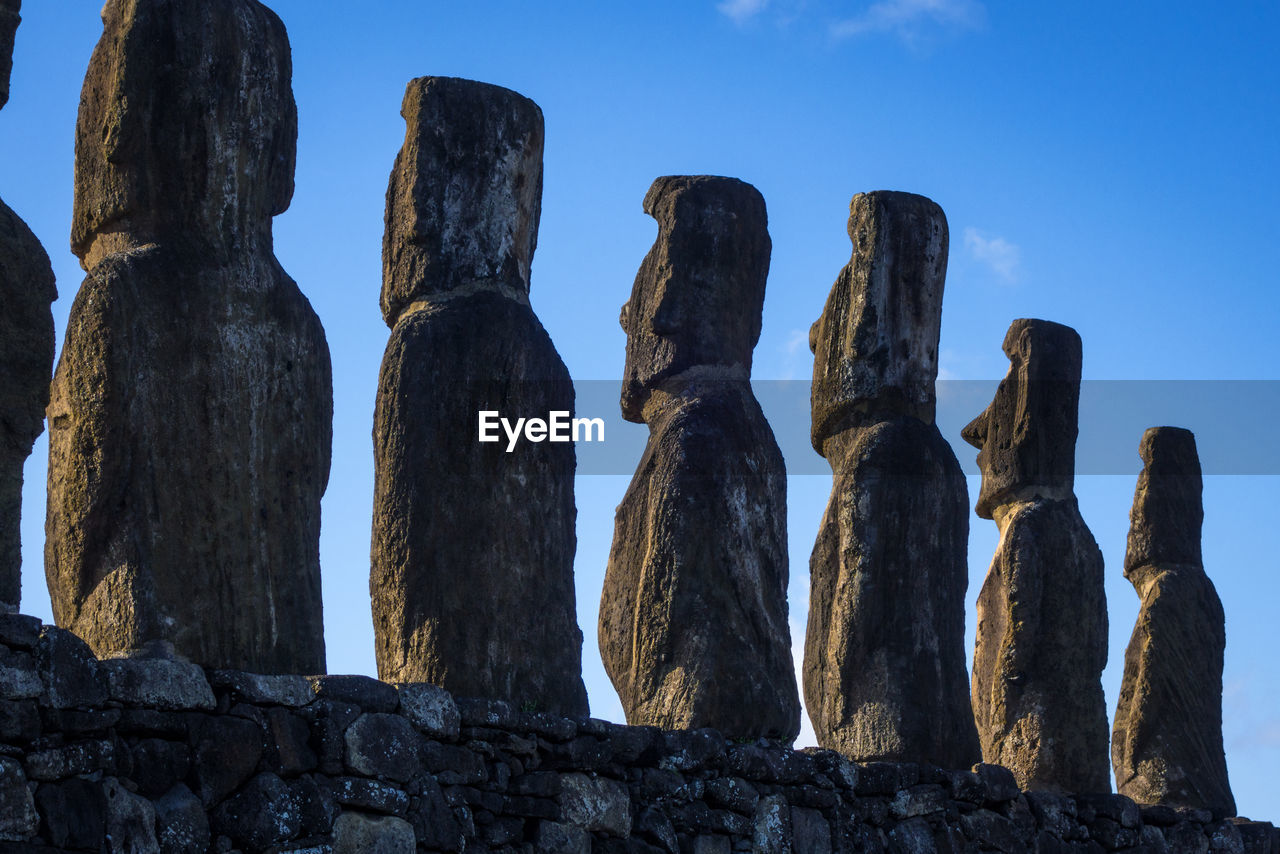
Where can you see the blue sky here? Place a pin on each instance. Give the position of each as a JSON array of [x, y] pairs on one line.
[[1111, 166]]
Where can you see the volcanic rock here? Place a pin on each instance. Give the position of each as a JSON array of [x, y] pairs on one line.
[[1042, 611], [884, 671], [1166, 744], [693, 618], [190, 420], [473, 545]]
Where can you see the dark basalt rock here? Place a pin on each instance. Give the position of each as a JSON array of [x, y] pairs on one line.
[[472, 557], [1042, 612], [697, 576], [9, 20], [26, 350], [1166, 744], [190, 421], [884, 672]]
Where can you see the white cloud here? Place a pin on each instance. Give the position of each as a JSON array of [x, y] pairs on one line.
[[741, 11], [1002, 257], [912, 20], [795, 354]]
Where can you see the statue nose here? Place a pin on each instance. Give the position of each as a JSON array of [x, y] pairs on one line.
[[975, 432]]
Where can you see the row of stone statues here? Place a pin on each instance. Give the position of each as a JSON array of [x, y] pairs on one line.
[[190, 440]]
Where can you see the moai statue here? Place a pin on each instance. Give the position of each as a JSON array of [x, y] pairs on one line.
[[473, 544], [1166, 745], [190, 421], [1042, 611], [26, 350], [693, 617], [884, 669]]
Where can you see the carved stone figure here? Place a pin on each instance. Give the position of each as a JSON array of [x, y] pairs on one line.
[[693, 618], [1042, 612], [884, 670], [473, 545], [26, 350], [190, 420], [1166, 744]]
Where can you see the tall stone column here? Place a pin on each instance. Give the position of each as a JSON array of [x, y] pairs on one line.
[[473, 545], [884, 670], [1042, 611], [26, 350], [693, 616], [1166, 744], [191, 412]]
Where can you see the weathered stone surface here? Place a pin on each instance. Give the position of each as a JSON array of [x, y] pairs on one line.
[[190, 414], [159, 765], [157, 682], [884, 670], [382, 745], [182, 827], [284, 689], [84, 757], [356, 833], [19, 720], [266, 812], [596, 804], [472, 582], [69, 671], [225, 752], [19, 677], [369, 795], [697, 576], [1166, 744], [19, 631], [131, 821], [75, 813], [1042, 611], [771, 833], [18, 816], [430, 708], [553, 837], [26, 349], [363, 691]]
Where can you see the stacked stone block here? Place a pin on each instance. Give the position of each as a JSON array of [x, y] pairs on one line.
[[153, 755]]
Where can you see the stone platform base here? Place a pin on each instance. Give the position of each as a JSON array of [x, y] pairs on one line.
[[157, 755]]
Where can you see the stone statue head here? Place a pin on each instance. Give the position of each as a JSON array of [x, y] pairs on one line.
[[187, 127], [875, 346], [466, 193], [9, 21], [699, 294], [1168, 513], [1027, 436]]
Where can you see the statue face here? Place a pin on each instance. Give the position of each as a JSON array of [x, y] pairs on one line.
[[876, 345], [187, 123], [699, 293], [1027, 436], [465, 197]]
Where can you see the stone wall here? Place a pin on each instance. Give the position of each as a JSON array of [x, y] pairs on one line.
[[156, 754]]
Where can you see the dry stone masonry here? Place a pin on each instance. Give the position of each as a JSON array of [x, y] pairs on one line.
[[884, 670], [693, 618], [26, 349], [158, 757], [1166, 744], [190, 419], [473, 545], [1042, 614]]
